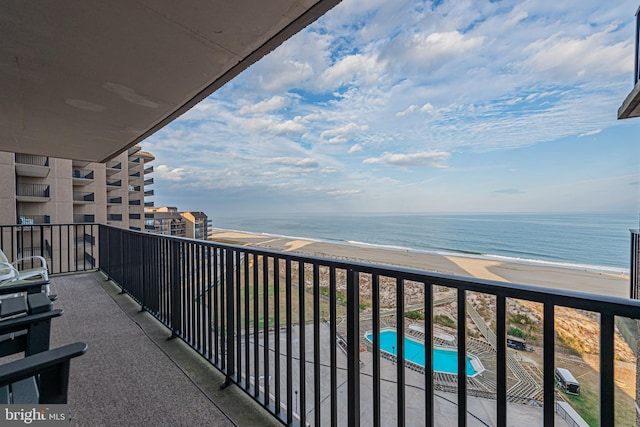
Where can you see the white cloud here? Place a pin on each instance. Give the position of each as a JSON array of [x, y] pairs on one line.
[[429, 159], [274, 103], [342, 134], [355, 148], [170, 174], [591, 132]]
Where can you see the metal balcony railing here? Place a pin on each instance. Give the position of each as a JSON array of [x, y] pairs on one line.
[[148, 169], [82, 174], [83, 196], [148, 193], [114, 182], [34, 219], [148, 204], [134, 188], [30, 159], [58, 243], [148, 181], [115, 200], [135, 202], [134, 216], [135, 175], [32, 190], [634, 273], [114, 165], [290, 329], [114, 217]]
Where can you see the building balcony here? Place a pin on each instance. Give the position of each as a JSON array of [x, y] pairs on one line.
[[149, 215], [149, 204], [148, 169], [82, 176], [114, 200], [249, 316], [113, 167], [32, 193], [148, 193], [148, 181], [83, 218], [135, 202], [135, 216], [83, 197], [134, 188], [32, 165], [114, 217], [33, 219]]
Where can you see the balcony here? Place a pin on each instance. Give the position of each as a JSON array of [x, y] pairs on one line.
[[148, 193], [149, 215], [148, 204], [114, 200], [82, 177], [134, 188], [114, 217], [148, 169], [113, 167], [135, 202], [135, 216], [217, 298], [32, 193], [83, 218], [34, 219], [31, 165], [113, 184], [135, 175], [83, 197], [148, 181]]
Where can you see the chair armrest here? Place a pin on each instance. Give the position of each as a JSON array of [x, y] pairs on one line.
[[30, 287], [37, 363], [20, 323], [29, 258], [9, 272]]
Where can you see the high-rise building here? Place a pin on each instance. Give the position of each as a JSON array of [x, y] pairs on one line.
[[44, 190], [168, 221]]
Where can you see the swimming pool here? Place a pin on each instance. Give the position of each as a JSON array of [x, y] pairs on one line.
[[444, 360]]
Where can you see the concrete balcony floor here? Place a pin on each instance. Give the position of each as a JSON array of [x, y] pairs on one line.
[[132, 374]]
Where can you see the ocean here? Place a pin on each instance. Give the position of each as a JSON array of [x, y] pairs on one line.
[[598, 241]]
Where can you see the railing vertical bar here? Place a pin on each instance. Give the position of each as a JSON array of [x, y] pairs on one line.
[[316, 344], [223, 306], [303, 355], [276, 330], [607, 373], [256, 328], [548, 364], [229, 316], [400, 377], [428, 356], [238, 300], [501, 358], [216, 312], [375, 301], [265, 323], [353, 349], [202, 303], [247, 336], [462, 357], [174, 296], [333, 362], [288, 308], [210, 292]]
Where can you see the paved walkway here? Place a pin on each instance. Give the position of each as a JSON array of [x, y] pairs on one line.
[[131, 374]]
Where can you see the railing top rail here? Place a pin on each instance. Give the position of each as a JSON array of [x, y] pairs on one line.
[[573, 299]]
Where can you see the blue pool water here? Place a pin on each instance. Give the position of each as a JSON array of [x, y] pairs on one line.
[[444, 360]]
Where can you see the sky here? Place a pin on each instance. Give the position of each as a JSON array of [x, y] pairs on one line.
[[413, 106]]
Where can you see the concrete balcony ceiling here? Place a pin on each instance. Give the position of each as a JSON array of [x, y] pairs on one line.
[[88, 80]]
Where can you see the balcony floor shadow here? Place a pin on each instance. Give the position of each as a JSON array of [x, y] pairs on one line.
[[132, 374]]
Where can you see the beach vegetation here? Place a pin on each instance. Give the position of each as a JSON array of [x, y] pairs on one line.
[[515, 332], [444, 320], [414, 315]]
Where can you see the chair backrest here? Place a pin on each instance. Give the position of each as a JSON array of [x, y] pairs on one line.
[[7, 273], [3, 257]]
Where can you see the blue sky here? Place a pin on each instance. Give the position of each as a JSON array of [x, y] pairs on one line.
[[411, 106]]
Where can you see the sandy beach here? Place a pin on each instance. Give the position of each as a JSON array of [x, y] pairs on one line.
[[594, 282]]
